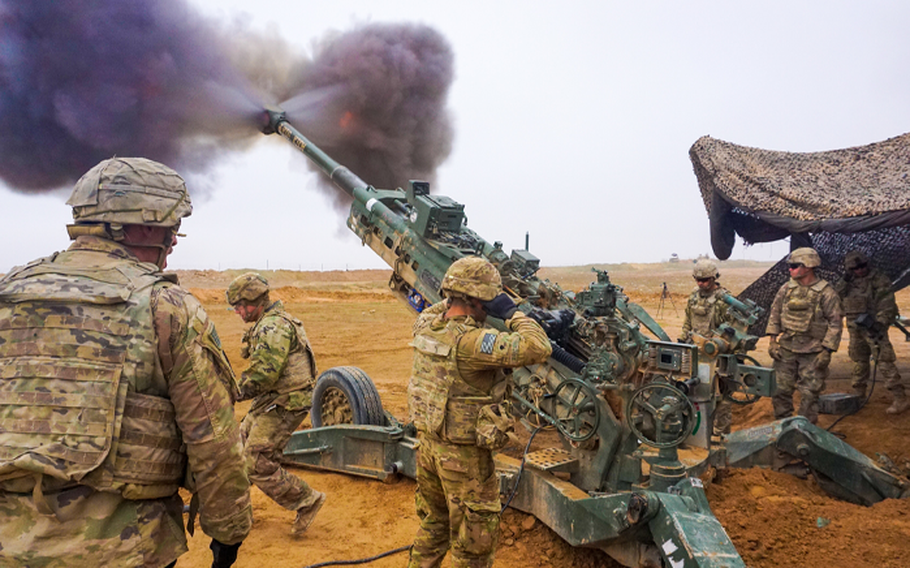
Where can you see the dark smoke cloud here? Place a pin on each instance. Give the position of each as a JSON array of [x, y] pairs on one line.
[[82, 80], [374, 99]]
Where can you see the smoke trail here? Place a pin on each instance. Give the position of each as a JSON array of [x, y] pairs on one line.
[[82, 80], [374, 99]]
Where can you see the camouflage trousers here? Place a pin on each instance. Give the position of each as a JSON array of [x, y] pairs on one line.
[[457, 503], [265, 433], [90, 528], [723, 417], [861, 349], [802, 372]]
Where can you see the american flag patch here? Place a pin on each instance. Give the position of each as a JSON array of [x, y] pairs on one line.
[[486, 346]]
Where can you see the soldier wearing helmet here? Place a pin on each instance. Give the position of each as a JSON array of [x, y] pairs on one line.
[[865, 290], [280, 381], [455, 400], [130, 367], [705, 312], [805, 328]]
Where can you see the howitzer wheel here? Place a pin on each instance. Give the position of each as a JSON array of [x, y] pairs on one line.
[[576, 414], [734, 391], [346, 395], [660, 415]]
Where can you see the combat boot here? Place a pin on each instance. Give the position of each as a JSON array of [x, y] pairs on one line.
[[859, 391], [900, 404], [306, 514]]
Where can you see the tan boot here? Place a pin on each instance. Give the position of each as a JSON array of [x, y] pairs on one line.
[[900, 404], [859, 391], [305, 515]]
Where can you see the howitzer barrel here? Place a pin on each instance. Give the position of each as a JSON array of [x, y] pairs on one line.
[[341, 176], [384, 220], [344, 178]]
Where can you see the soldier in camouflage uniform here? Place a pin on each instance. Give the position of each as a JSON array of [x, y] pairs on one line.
[[454, 399], [115, 390], [280, 380], [867, 290], [705, 312], [805, 328]]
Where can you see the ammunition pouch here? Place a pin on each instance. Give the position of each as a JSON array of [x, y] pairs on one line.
[[151, 457], [460, 422], [854, 305]]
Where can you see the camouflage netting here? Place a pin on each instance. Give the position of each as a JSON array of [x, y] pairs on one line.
[[836, 201], [763, 195]]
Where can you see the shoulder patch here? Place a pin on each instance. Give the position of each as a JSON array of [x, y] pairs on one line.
[[431, 346], [486, 345]]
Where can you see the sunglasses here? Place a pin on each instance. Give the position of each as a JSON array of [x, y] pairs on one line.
[[703, 279], [859, 266], [795, 265]]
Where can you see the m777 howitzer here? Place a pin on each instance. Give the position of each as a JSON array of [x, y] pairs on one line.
[[634, 414]]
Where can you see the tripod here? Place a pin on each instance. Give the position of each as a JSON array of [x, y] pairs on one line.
[[665, 295]]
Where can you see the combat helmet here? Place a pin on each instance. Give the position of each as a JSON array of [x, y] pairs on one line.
[[855, 259], [246, 287], [806, 256], [472, 276], [705, 268], [129, 191]]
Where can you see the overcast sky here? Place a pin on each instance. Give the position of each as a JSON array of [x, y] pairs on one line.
[[573, 122]]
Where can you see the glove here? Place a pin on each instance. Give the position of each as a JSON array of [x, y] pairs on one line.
[[823, 359], [223, 555], [501, 307], [774, 349]]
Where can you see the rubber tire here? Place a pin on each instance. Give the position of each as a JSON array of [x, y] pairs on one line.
[[359, 390]]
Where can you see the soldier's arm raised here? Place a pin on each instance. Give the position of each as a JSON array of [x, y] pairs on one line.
[[525, 344]]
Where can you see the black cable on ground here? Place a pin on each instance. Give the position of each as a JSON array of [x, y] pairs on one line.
[[841, 435], [521, 468], [361, 561]]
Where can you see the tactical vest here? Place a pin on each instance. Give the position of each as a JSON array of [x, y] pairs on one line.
[[300, 371], [801, 309], [74, 337], [702, 309], [858, 297], [440, 402]]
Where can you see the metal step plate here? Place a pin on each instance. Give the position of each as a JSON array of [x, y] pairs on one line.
[[551, 459]]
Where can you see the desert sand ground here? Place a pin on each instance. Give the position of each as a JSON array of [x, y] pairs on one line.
[[351, 319]]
